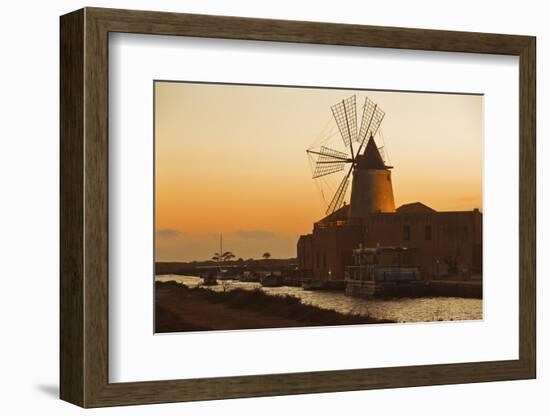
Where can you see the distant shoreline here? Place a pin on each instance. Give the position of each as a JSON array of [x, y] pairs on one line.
[[196, 268], [179, 308]]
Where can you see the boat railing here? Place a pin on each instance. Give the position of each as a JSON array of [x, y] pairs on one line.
[[390, 273]]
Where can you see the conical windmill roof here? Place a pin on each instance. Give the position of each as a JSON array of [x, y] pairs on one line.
[[371, 159]]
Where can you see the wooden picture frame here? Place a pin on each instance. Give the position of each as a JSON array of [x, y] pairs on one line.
[[84, 207]]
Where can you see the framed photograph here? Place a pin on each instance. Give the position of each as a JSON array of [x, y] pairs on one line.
[[254, 207]]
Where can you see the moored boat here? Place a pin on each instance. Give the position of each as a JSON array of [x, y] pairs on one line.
[[209, 279], [313, 284], [272, 280], [249, 276], [384, 272]]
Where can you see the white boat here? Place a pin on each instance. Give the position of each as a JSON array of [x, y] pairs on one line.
[[384, 272]]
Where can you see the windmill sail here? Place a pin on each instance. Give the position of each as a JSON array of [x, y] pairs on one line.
[[345, 115], [329, 161], [370, 122], [338, 197]]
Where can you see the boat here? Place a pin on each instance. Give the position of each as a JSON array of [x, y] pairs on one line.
[[226, 274], [323, 284], [249, 276], [384, 272], [272, 279], [313, 284], [209, 279]]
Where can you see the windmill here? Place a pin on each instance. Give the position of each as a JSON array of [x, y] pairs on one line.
[[366, 154]]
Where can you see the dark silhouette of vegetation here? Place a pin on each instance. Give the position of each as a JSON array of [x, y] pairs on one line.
[[223, 257], [195, 268], [288, 309], [266, 256]]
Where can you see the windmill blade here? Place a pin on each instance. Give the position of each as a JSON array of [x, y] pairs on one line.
[[329, 161], [323, 169], [338, 197], [371, 120], [345, 115]]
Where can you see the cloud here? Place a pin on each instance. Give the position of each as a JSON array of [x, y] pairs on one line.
[[168, 233], [255, 234]]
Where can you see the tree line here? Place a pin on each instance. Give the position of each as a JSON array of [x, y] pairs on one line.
[[228, 256]]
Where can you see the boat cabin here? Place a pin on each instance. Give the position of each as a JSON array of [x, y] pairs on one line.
[[386, 271]]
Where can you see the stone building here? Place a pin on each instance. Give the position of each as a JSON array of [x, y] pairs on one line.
[[445, 243]]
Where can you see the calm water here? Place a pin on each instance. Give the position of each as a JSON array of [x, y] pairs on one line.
[[398, 309]]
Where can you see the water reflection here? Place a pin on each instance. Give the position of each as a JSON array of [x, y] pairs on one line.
[[398, 309]]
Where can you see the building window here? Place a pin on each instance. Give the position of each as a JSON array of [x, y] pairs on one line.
[[324, 260], [406, 232], [428, 233]]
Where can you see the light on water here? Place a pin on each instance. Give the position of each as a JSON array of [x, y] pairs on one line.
[[397, 309]]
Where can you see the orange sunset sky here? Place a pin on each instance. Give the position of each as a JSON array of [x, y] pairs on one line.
[[232, 159]]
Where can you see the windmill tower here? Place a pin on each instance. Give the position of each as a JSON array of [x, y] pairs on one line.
[[372, 189]]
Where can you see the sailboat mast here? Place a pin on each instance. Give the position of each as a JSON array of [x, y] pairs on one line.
[[221, 253]]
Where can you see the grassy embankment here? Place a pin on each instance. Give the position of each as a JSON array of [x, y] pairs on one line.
[[179, 308]]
